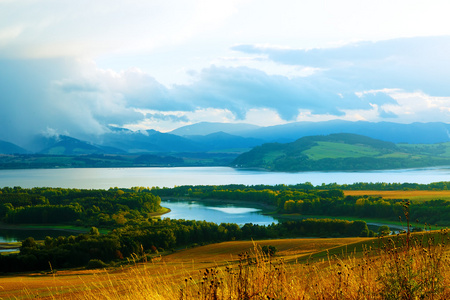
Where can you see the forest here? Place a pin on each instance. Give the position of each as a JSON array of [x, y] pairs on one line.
[[128, 214], [133, 230], [327, 200]]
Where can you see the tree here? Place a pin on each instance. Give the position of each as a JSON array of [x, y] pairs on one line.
[[358, 228], [269, 250], [384, 230], [94, 231]]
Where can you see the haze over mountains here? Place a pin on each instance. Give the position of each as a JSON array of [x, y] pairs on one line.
[[205, 137]]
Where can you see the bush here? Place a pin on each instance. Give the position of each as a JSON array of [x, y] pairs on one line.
[[96, 264], [269, 250]]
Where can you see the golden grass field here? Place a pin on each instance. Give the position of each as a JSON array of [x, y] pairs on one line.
[[176, 265], [411, 195], [301, 269]]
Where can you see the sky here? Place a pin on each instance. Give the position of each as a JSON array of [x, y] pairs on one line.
[[79, 67]]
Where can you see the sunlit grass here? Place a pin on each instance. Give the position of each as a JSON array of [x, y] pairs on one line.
[[338, 150], [272, 155], [395, 267], [414, 196]]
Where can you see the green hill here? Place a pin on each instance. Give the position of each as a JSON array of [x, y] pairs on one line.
[[342, 152], [9, 148]]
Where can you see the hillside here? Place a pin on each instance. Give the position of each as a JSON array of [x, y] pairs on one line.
[[346, 268], [10, 148], [342, 152], [205, 128]]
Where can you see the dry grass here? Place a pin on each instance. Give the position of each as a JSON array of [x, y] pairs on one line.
[[417, 269], [414, 196]]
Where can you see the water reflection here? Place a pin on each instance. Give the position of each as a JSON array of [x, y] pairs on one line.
[[17, 235], [235, 210], [104, 178], [215, 212]]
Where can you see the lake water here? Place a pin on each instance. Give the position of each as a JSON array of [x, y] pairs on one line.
[[104, 178], [216, 212], [192, 210]]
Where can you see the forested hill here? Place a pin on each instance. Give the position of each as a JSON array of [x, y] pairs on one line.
[[342, 151]]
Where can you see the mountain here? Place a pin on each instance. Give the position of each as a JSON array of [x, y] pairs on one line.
[[341, 152], [66, 145], [224, 141], [10, 148], [414, 133], [205, 128], [148, 141]]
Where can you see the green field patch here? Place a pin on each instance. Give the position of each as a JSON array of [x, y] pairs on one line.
[[440, 150], [447, 149], [271, 156], [57, 150], [396, 155], [339, 150]]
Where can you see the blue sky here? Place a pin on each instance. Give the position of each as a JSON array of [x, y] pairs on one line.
[[75, 67]]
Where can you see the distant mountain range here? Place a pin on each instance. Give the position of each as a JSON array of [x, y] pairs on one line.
[[414, 133], [205, 128], [223, 137]]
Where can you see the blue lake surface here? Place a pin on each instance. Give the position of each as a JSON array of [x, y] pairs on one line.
[[104, 178], [215, 212]]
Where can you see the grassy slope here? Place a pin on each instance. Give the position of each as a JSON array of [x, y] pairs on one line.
[[307, 263], [339, 150], [306, 153], [176, 266]]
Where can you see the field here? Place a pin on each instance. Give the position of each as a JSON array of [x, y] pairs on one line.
[[301, 269], [339, 150], [175, 266], [414, 196]]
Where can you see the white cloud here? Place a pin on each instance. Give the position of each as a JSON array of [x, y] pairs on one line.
[[52, 28], [419, 107], [77, 97]]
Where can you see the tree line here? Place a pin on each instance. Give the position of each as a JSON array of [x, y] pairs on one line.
[[153, 235], [325, 200], [83, 207]]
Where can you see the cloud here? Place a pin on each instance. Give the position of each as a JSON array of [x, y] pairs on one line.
[[403, 79], [242, 89], [48, 28], [408, 63], [387, 114], [38, 94], [155, 117]]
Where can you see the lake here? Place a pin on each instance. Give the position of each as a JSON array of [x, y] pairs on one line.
[[104, 178], [215, 211]]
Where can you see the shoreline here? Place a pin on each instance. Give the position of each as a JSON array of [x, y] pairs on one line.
[[42, 227]]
